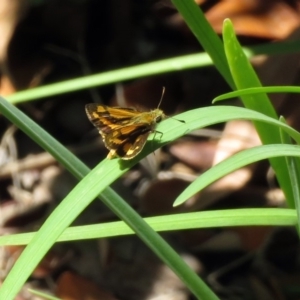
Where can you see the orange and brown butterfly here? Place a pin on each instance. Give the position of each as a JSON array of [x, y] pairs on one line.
[[124, 130]]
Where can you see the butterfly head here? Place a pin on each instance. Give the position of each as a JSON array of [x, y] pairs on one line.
[[157, 115]]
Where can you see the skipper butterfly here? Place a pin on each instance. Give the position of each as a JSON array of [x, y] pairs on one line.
[[124, 130]]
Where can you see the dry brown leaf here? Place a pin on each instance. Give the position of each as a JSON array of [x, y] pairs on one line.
[[11, 12], [274, 19]]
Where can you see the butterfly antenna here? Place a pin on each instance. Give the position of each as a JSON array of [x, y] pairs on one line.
[[162, 95]]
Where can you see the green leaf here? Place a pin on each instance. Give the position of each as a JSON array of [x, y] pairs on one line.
[[194, 220], [235, 162], [258, 90], [206, 36], [293, 164], [157, 67], [245, 77]]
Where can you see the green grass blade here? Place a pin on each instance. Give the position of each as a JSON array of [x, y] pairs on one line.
[[245, 77], [207, 116], [194, 220], [235, 162], [206, 36], [114, 76], [258, 90], [243, 73], [43, 295], [293, 164]]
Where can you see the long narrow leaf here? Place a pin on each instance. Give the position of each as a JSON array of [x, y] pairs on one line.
[[194, 220], [235, 162], [245, 77], [206, 36], [293, 164], [258, 90]]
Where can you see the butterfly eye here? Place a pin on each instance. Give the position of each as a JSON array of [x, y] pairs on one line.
[[158, 119]]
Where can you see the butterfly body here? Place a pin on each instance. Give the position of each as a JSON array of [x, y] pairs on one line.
[[124, 130]]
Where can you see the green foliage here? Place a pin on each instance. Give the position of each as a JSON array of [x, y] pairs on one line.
[[232, 63]]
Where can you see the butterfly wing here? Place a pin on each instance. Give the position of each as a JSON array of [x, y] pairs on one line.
[[106, 118], [127, 141]]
